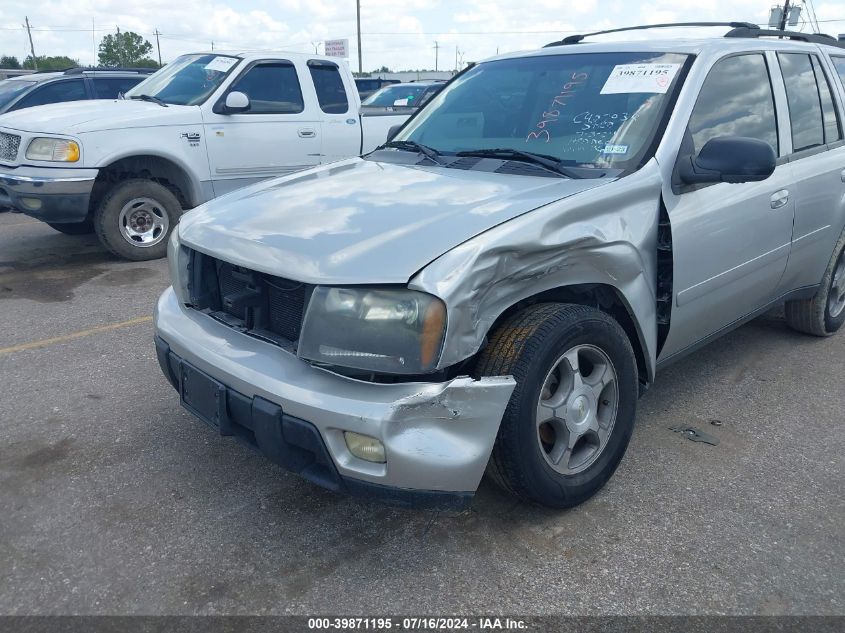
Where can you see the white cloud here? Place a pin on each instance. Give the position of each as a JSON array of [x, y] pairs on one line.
[[395, 34]]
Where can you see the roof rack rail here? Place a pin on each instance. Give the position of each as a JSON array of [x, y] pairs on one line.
[[815, 38], [86, 69], [575, 39]]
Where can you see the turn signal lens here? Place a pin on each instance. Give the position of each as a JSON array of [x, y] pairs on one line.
[[365, 447]]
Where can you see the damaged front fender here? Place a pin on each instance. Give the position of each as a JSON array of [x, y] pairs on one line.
[[606, 235]]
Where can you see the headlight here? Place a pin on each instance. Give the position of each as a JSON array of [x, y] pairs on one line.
[[177, 260], [394, 331], [53, 149]]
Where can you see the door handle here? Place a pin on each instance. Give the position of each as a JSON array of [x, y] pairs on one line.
[[842, 175], [307, 133], [780, 198]]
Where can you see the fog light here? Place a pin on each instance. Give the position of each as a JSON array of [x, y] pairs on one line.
[[365, 447], [32, 204]]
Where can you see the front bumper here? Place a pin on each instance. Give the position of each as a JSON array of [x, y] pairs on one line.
[[49, 194], [437, 436]]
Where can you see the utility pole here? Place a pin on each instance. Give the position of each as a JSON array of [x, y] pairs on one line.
[[785, 15], [360, 63], [456, 58], [31, 47], [212, 44], [158, 48], [436, 52]]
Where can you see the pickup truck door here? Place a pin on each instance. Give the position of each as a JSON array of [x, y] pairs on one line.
[[279, 134], [730, 242], [341, 124]]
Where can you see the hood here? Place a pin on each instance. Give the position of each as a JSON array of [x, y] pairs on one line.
[[361, 221], [76, 117]]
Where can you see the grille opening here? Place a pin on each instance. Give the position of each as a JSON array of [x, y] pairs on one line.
[[265, 306]]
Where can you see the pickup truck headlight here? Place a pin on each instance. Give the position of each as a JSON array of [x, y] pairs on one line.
[[385, 330], [53, 149]]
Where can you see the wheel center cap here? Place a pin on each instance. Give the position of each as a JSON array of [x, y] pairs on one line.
[[579, 409]]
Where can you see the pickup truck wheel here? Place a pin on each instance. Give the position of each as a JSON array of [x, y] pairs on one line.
[[823, 314], [571, 415], [73, 228], [135, 219]]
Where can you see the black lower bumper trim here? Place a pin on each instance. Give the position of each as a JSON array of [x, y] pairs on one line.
[[292, 443]]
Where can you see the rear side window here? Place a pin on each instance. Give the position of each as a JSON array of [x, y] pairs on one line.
[[735, 100], [839, 64], [271, 89], [54, 92], [832, 127], [112, 87], [802, 95], [330, 91]]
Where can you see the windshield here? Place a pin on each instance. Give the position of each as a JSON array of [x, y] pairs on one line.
[[389, 95], [11, 88], [593, 109], [187, 80]]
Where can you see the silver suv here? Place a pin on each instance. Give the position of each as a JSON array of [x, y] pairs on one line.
[[494, 288]]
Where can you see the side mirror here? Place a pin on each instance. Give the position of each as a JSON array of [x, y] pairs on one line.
[[733, 159], [393, 131], [236, 102]]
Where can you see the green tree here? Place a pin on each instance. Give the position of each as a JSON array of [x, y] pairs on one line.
[[125, 49], [8, 61], [45, 62]]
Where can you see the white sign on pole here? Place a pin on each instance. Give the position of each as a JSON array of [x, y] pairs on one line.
[[337, 48]]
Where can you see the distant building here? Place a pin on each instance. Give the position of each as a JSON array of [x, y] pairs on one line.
[[415, 76], [5, 73]]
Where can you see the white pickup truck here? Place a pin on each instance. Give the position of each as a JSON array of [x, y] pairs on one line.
[[202, 126]]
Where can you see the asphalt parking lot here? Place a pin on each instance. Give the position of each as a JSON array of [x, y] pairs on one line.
[[113, 500]]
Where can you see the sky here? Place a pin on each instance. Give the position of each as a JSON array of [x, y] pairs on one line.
[[399, 34]]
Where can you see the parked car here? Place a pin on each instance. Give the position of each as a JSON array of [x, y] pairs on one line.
[[496, 288], [368, 85], [408, 95], [202, 126], [75, 84]]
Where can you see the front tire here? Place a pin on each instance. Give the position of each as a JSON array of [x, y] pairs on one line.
[[135, 218], [823, 314], [571, 415]]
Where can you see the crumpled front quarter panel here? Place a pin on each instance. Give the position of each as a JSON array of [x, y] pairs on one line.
[[606, 235]]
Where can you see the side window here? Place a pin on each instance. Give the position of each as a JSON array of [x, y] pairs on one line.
[[54, 92], [832, 130], [802, 95], [330, 91], [111, 87], [272, 88], [735, 100], [839, 65]]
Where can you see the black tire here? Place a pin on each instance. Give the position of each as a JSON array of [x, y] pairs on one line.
[[73, 228], [527, 346], [813, 316], [107, 221]]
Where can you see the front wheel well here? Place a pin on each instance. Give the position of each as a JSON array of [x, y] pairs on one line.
[[154, 168], [600, 296]]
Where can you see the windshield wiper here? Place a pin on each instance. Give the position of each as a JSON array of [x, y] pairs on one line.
[[543, 160], [412, 146], [150, 98]]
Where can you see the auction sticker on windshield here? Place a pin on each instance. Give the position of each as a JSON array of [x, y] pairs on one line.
[[221, 64], [633, 78]]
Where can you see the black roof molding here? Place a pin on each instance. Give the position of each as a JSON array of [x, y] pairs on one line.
[[575, 39], [815, 38]]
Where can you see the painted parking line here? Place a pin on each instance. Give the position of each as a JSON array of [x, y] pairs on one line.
[[46, 342]]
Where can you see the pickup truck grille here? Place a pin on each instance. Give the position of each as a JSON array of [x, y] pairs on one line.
[[268, 307], [9, 144]]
